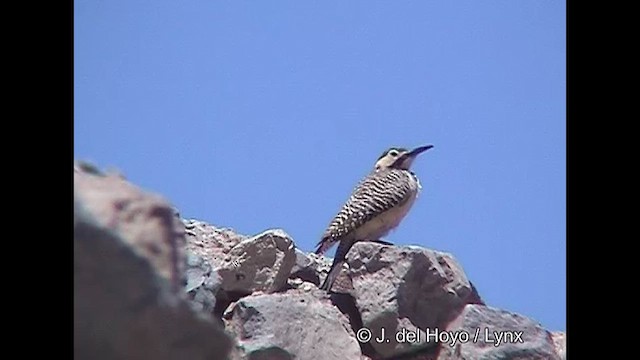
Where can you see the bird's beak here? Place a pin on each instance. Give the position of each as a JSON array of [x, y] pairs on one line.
[[415, 152]]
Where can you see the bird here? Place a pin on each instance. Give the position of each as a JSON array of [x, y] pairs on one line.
[[376, 206]]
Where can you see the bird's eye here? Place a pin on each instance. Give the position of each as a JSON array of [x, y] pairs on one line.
[[393, 153]]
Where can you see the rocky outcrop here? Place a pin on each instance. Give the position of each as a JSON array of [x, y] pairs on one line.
[[126, 305], [149, 285]]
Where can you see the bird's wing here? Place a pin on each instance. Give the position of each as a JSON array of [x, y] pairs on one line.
[[374, 195]]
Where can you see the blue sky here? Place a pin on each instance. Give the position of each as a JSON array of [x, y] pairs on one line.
[[258, 115]]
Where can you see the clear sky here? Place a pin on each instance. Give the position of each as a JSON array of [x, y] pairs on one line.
[[265, 114]]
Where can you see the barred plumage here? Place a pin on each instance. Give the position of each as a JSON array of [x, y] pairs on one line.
[[377, 205], [377, 193]]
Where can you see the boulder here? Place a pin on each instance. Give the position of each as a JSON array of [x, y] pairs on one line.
[[145, 221], [260, 263], [292, 325], [244, 264], [124, 307], [400, 291], [482, 332]]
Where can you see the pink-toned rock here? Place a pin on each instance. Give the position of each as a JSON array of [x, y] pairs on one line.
[[244, 264], [291, 325], [145, 221], [482, 332], [560, 343], [210, 242], [405, 289], [125, 309]]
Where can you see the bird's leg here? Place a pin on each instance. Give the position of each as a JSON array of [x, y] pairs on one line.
[[338, 260]]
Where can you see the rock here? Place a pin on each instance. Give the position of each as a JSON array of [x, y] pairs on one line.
[[145, 221], [209, 242], [342, 284], [308, 267], [244, 265], [202, 283], [405, 289], [124, 307], [487, 333], [560, 344], [290, 325], [142, 289], [261, 263], [207, 248]]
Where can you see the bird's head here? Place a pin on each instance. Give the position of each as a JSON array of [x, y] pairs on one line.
[[399, 158]]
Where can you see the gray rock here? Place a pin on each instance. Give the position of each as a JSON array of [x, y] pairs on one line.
[[124, 308], [405, 289], [308, 267], [203, 283], [145, 221], [292, 325], [486, 333], [261, 263]]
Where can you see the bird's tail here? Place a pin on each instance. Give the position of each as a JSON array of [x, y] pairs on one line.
[[336, 267], [324, 244]]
